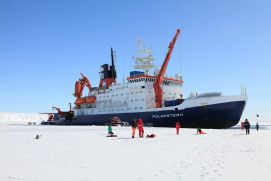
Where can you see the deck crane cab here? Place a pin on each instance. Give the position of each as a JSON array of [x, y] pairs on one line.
[[61, 115]]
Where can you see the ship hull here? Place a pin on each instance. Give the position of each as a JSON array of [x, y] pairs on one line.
[[216, 116]]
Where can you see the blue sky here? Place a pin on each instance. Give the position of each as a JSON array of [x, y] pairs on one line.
[[44, 45]]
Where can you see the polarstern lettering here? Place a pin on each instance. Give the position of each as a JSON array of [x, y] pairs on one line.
[[167, 115]]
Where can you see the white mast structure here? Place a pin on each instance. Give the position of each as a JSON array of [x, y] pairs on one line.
[[143, 58]]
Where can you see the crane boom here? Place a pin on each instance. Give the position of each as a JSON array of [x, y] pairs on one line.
[[58, 111], [160, 77], [79, 88], [80, 85], [84, 82]]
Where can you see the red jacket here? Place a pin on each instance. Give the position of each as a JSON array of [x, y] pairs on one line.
[[140, 123], [178, 125]]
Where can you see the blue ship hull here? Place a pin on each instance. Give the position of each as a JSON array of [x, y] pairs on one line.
[[216, 116]]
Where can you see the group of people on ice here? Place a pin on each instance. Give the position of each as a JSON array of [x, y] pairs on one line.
[[178, 126], [139, 124], [246, 125], [136, 124]]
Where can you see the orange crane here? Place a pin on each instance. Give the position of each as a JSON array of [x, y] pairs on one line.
[[79, 88], [58, 111], [51, 117], [160, 77]]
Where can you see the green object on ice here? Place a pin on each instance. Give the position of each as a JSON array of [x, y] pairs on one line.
[[109, 129]]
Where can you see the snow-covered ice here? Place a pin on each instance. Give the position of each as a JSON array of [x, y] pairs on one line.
[[85, 153], [21, 118]]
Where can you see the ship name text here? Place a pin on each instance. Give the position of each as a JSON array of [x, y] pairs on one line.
[[156, 116]]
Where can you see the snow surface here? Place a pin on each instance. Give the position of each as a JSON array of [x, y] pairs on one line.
[[85, 153], [21, 118]]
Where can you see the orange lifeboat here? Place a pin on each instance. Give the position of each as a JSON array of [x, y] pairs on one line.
[[91, 99], [85, 100]]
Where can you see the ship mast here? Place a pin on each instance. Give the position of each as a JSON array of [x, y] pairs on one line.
[[143, 58], [113, 65]]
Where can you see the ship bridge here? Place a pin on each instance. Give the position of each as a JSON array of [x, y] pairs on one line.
[[149, 78]]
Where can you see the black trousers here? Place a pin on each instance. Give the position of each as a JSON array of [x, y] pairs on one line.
[[247, 130]]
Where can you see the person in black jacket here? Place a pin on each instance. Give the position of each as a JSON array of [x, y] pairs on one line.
[[134, 125], [257, 126], [247, 126]]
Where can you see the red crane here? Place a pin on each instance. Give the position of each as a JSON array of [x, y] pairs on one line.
[[160, 77], [58, 111], [80, 85], [79, 88]]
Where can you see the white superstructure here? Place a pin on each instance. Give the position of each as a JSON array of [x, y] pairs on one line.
[[135, 96]]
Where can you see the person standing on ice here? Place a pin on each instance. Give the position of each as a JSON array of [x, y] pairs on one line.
[[247, 126], [110, 131], [140, 125], [134, 125], [257, 126], [242, 126], [178, 125]]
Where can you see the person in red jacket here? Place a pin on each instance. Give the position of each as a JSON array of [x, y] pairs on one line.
[[199, 131], [242, 126], [178, 125], [140, 128]]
